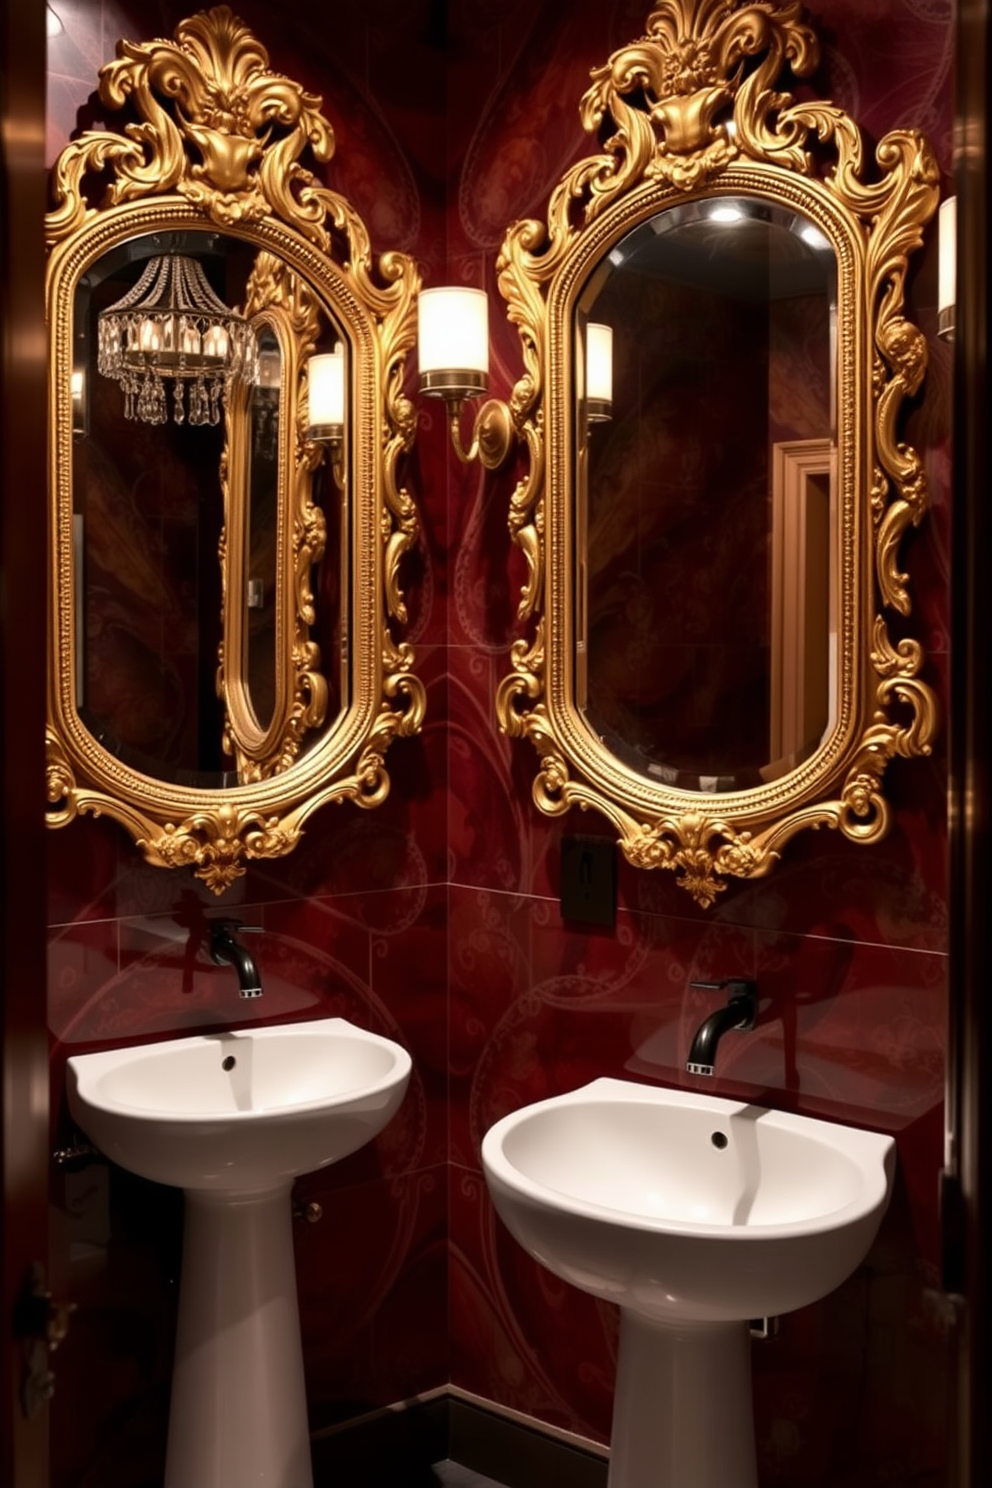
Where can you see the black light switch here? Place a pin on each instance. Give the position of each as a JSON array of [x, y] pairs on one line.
[[589, 880]]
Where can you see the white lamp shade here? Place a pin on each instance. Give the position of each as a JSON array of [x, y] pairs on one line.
[[453, 341], [599, 363], [946, 272], [325, 380]]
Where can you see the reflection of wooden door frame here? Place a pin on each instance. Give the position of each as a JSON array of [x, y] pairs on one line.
[[799, 517]]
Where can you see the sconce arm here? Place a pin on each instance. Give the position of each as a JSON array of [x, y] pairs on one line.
[[492, 433]]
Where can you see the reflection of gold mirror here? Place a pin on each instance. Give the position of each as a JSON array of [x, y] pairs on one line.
[[712, 525], [225, 578], [275, 679]]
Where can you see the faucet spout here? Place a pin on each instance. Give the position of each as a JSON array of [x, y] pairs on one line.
[[739, 1013], [227, 950]]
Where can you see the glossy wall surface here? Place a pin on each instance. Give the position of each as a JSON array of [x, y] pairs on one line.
[[435, 919]]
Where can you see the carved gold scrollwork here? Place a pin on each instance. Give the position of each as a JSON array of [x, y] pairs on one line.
[[217, 141], [695, 107]]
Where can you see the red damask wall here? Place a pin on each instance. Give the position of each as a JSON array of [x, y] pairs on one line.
[[435, 919]]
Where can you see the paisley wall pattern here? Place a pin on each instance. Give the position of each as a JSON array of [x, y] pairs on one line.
[[435, 919]]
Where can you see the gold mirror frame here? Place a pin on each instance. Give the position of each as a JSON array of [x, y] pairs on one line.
[[691, 111], [217, 145]]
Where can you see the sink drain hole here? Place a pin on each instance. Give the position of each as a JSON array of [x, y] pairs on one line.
[[229, 1062], [719, 1140]]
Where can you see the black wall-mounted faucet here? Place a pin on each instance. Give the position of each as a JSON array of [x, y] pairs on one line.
[[740, 1013], [226, 950]]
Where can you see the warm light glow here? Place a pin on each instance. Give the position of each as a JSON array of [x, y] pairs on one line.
[[325, 379], [946, 276], [599, 370], [150, 335], [813, 237], [453, 341], [215, 342], [77, 388], [53, 23], [726, 213]]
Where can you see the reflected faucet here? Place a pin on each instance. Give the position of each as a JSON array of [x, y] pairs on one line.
[[739, 1013], [226, 950]]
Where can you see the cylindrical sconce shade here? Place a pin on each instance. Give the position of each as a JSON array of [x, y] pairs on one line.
[[599, 372], [946, 275], [453, 342], [325, 382]]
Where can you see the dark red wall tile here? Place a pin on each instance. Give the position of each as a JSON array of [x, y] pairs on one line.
[[372, 1288], [409, 976], [519, 1336]]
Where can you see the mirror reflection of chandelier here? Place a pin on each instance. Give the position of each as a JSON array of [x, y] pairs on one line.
[[172, 325]]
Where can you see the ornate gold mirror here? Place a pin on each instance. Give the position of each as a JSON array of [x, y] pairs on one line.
[[716, 350], [225, 594]]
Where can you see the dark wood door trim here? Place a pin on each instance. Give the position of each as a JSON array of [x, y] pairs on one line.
[[24, 1052], [970, 757]]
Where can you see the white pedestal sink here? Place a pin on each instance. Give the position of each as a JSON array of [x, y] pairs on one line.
[[233, 1118], [695, 1215]]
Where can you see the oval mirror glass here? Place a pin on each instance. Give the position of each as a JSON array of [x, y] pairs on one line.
[[706, 595], [186, 458]]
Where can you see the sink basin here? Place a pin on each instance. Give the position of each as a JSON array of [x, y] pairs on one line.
[[696, 1215], [232, 1119], [247, 1110], [688, 1206]]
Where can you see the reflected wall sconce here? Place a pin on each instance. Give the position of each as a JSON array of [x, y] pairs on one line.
[[326, 407], [77, 386], [599, 373], [453, 354], [325, 393], [946, 268]]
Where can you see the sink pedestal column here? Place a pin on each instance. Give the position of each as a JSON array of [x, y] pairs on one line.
[[682, 1414], [238, 1416]]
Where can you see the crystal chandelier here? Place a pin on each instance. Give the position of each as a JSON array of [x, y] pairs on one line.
[[172, 325]]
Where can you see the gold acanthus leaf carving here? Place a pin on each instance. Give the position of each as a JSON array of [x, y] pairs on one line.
[[60, 781], [216, 844], [902, 660], [217, 127], [689, 70]]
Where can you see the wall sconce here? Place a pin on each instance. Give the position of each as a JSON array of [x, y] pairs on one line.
[[325, 393], [453, 355], [599, 373], [946, 267]]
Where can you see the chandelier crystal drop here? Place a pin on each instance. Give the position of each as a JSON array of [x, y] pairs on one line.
[[172, 325]]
